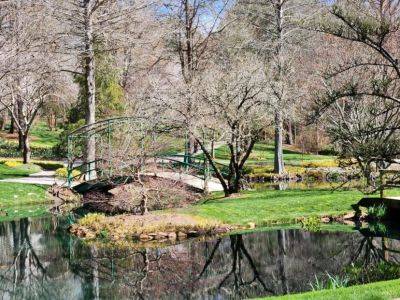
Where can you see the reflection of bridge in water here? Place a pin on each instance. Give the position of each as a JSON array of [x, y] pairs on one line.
[[127, 147]]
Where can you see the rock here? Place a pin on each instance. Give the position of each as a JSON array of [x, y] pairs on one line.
[[90, 235], [145, 237], [182, 235], [350, 223], [349, 216], [325, 220], [161, 235], [172, 236], [220, 230], [193, 233], [251, 225], [64, 194]]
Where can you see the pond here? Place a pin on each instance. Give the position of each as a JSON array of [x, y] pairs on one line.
[[39, 260]]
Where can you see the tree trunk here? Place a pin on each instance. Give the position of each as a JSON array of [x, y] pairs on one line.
[[4, 120], [20, 116], [90, 156], [26, 149], [20, 140], [289, 133], [51, 120], [12, 126], [278, 150]]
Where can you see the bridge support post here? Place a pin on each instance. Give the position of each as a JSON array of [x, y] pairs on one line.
[[206, 175], [186, 159], [382, 184], [70, 163]]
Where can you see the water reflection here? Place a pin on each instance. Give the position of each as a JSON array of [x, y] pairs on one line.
[[37, 261]]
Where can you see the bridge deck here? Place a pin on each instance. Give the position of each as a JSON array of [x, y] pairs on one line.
[[213, 184]]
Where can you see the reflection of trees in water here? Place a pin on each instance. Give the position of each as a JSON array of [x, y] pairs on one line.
[[26, 274], [264, 263], [239, 256], [376, 258], [37, 261]]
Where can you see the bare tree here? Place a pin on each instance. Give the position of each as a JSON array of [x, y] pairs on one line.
[[360, 89], [27, 65], [194, 24], [87, 23], [279, 42], [232, 105]]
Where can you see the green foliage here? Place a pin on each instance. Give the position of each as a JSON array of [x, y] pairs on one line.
[[104, 234], [61, 148], [360, 273], [377, 212], [332, 282], [312, 223], [109, 93], [378, 228]]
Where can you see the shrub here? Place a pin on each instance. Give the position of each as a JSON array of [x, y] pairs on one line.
[[377, 212], [63, 172], [12, 163], [320, 164], [333, 282], [49, 165], [91, 219], [311, 224], [317, 175]]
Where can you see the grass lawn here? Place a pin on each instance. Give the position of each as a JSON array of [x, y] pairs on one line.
[[264, 154], [267, 207], [377, 290], [42, 137], [21, 200], [18, 171]]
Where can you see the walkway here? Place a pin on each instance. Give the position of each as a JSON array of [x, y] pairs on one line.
[[48, 178], [42, 178]]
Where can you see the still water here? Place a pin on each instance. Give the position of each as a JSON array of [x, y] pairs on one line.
[[39, 260]]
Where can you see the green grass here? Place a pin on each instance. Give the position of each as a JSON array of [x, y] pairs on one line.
[[18, 171], [264, 154], [372, 291], [42, 137], [22, 200], [268, 207]]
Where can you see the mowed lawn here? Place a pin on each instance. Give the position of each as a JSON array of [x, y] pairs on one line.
[[374, 291], [263, 153], [22, 200], [267, 207], [17, 171]]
